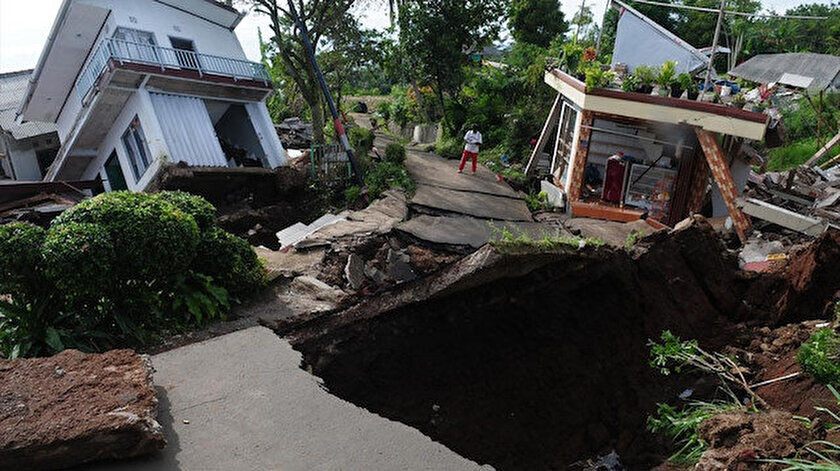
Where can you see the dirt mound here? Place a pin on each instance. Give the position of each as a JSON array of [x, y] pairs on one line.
[[736, 440], [813, 281], [74, 408]]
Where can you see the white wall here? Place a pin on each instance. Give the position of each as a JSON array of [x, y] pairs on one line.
[[638, 43], [162, 20]]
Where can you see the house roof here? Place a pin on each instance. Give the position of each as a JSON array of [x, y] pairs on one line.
[[12, 91], [660, 29], [766, 68]]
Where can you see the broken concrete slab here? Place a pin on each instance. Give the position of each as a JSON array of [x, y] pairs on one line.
[[399, 268], [291, 263], [241, 401], [429, 169], [614, 233], [471, 203], [317, 289], [468, 231], [354, 271], [74, 408], [782, 217]]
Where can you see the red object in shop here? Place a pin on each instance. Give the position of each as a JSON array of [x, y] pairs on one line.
[[614, 179]]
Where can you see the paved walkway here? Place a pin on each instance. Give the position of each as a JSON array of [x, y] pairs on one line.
[[242, 402]]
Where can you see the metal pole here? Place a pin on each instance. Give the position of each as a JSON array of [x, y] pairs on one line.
[[714, 49], [580, 17], [339, 128]]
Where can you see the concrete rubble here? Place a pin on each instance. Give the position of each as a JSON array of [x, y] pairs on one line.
[[75, 408]]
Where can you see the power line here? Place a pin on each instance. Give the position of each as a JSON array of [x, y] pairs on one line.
[[730, 12]]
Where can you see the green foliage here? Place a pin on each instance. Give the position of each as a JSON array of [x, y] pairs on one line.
[[597, 77], [20, 257], [536, 22], [801, 119], [645, 74], [820, 357], [506, 241], [448, 147], [385, 175], [384, 110], [199, 208], [795, 154], [671, 354], [361, 139], [352, 195], [537, 201], [572, 55], [820, 455], [667, 73], [230, 262], [633, 238], [630, 83], [395, 153], [680, 425], [153, 238], [118, 270]]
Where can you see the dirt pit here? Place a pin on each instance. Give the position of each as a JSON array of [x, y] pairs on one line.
[[532, 361]]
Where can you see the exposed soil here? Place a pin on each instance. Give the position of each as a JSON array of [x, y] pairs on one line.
[[73, 408]]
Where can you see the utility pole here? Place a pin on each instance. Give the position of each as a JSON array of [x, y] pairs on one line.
[[580, 19], [714, 49], [339, 128]]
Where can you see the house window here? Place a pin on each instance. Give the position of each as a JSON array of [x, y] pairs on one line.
[[136, 148], [566, 135]]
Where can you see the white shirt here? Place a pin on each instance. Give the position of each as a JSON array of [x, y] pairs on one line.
[[473, 140]]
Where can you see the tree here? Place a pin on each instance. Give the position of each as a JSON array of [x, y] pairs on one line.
[[536, 22], [435, 36], [582, 19], [322, 17]]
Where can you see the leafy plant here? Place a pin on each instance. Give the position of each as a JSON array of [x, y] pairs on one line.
[[395, 153], [597, 77], [633, 238], [666, 74], [384, 110], [645, 74], [385, 175], [630, 83], [507, 242], [826, 457], [820, 357], [352, 195], [681, 426], [537, 201], [572, 55], [198, 300], [685, 81], [361, 139], [231, 263]]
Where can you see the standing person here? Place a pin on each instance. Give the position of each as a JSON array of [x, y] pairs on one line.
[[473, 141]]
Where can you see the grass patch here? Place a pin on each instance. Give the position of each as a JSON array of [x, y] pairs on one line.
[[795, 154], [506, 241], [681, 426]]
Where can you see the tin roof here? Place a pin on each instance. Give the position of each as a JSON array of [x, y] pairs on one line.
[[12, 91], [766, 68]]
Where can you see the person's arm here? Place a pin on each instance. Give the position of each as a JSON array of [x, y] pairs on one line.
[[478, 139]]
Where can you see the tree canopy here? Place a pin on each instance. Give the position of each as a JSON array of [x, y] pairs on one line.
[[536, 22]]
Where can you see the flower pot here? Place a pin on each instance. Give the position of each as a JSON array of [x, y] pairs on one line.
[[646, 89], [693, 94], [676, 92]]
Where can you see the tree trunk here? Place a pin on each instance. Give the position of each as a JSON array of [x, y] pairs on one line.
[[424, 111], [317, 122]]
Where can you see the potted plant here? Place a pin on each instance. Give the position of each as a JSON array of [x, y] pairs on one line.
[[630, 83], [666, 75], [645, 75], [572, 54], [597, 77], [687, 83]]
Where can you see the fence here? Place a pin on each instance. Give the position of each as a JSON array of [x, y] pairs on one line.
[[329, 162]]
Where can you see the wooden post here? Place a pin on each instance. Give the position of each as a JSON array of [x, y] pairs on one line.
[[549, 126], [823, 151], [578, 162], [720, 170]]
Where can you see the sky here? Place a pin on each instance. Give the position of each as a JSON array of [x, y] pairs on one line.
[[25, 25]]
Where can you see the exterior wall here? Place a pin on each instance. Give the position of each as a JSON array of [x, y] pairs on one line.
[[274, 151], [25, 162], [638, 43], [162, 20]]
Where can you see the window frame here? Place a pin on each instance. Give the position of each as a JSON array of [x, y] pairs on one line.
[[136, 148]]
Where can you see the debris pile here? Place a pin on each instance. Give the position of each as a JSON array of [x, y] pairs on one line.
[[75, 408], [294, 133]]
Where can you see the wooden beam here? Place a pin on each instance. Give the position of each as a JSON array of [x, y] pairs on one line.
[[719, 166], [822, 152], [579, 159], [548, 127]]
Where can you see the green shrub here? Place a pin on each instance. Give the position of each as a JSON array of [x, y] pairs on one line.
[[820, 357], [230, 261], [79, 261], [537, 201], [199, 208], [20, 258], [153, 239], [395, 153], [449, 147], [361, 139], [384, 110], [385, 175], [352, 195]]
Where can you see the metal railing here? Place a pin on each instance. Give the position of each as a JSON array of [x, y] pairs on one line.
[[329, 162], [165, 58]]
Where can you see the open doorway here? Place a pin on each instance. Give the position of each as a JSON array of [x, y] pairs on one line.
[[237, 135], [185, 53]]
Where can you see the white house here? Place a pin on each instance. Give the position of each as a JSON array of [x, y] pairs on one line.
[[135, 84], [26, 150]]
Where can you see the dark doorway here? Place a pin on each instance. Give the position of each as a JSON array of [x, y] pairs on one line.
[[115, 174], [45, 159], [185, 53]]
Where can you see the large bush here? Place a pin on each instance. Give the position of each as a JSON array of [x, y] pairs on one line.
[[820, 357], [361, 139], [395, 153], [119, 270]]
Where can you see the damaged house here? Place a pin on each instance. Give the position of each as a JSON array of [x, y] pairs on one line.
[[626, 155], [133, 85], [26, 149]]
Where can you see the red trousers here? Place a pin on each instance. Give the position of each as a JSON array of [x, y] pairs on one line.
[[467, 154]]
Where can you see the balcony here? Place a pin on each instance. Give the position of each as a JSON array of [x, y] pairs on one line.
[[167, 61]]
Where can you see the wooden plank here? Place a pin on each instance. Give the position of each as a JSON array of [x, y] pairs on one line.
[[822, 152], [720, 171], [548, 127], [581, 155]]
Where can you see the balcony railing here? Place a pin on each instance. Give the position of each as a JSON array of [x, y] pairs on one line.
[[165, 58]]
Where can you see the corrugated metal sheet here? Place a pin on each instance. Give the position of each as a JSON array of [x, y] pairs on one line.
[[12, 91], [188, 130], [766, 68]]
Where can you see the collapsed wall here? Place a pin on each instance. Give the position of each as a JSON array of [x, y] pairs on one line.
[[532, 360]]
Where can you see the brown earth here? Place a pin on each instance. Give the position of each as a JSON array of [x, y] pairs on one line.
[[73, 408]]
